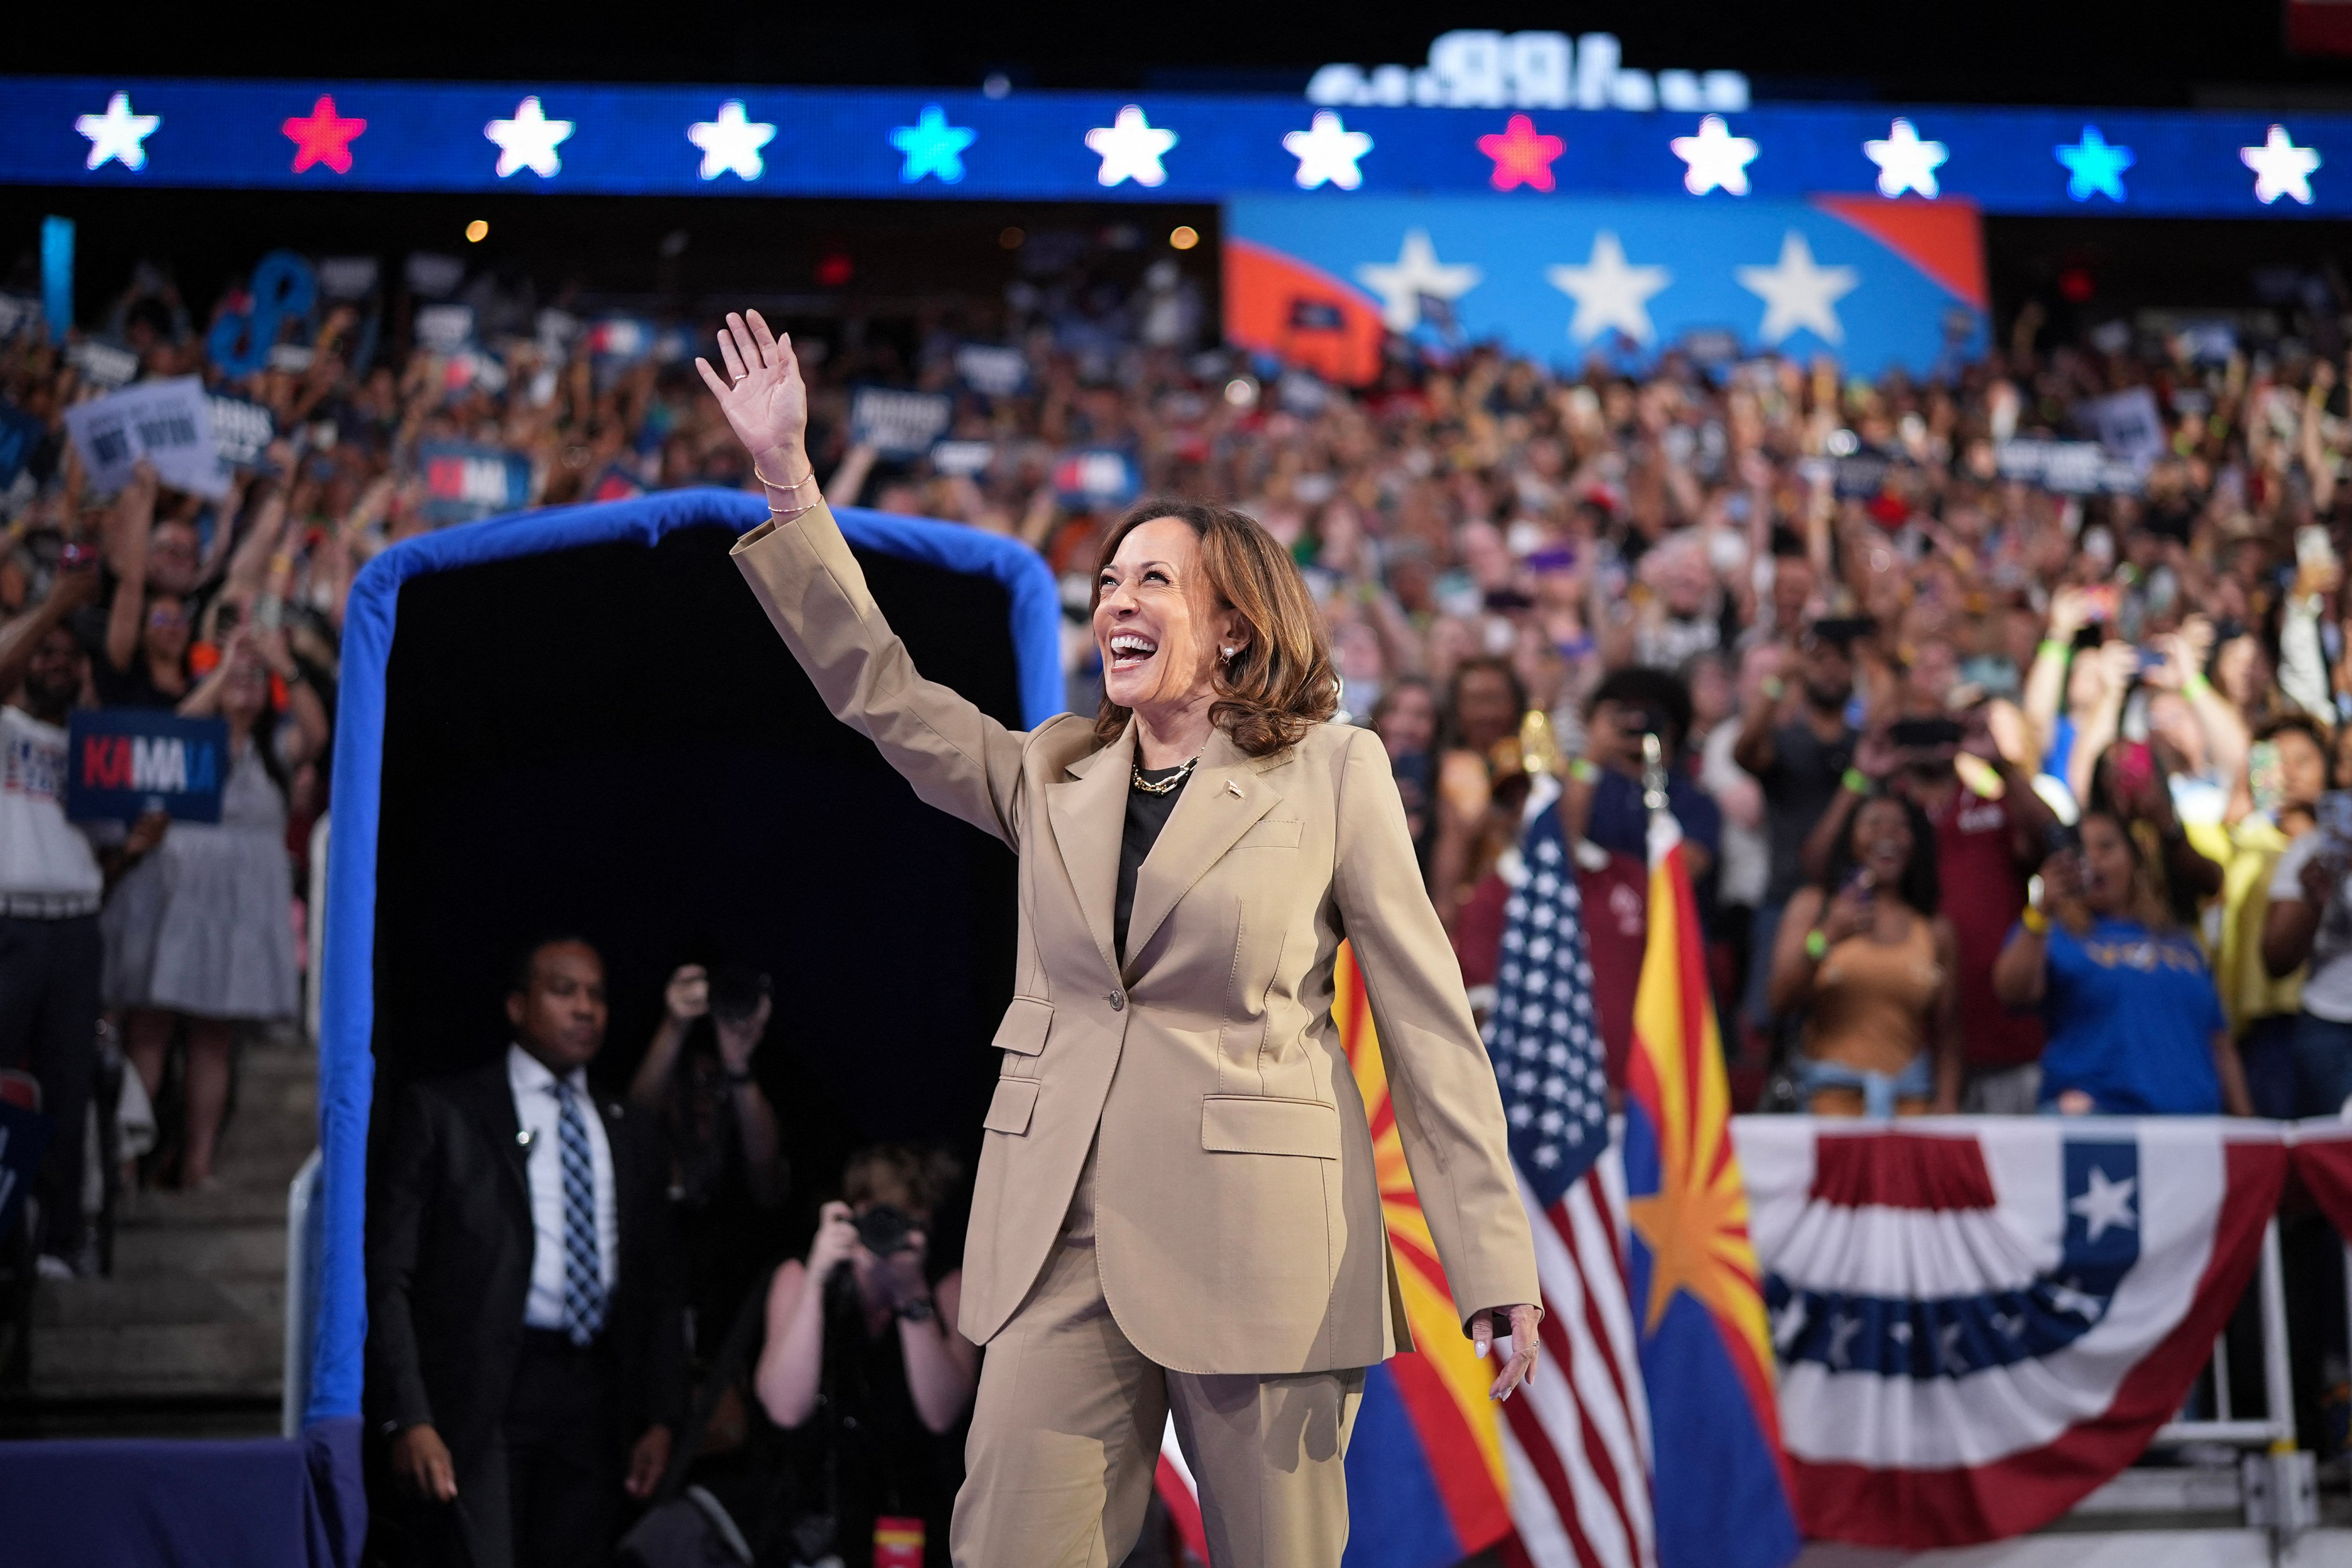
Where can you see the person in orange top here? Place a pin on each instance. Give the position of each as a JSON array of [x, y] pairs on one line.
[[1874, 968]]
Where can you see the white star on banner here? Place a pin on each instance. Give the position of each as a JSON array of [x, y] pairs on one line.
[[1327, 152], [730, 144], [1797, 293], [528, 141], [121, 136], [2104, 1203], [1717, 159], [1609, 292], [1415, 275], [1906, 162], [1130, 149], [2281, 168]]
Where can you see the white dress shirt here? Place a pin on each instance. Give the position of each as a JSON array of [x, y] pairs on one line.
[[538, 1113]]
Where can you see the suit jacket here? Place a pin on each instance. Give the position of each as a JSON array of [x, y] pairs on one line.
[[1237, 1212], [450, 1254]]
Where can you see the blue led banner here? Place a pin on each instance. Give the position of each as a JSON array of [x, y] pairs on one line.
[[790, 142]]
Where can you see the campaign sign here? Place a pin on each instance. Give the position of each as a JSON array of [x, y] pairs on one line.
[[24, 1137], [123, 763], [167, 422], [898, 424], [996, 370], [465, 483], [1095, 477], [242, 431]]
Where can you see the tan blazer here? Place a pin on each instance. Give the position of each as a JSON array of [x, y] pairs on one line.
[[1238, 1218]]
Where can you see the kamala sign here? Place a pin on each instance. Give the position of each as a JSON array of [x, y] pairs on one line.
[[1473, 68]]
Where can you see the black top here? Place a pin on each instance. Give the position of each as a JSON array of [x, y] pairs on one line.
[[1146, 813], [1803, 781]]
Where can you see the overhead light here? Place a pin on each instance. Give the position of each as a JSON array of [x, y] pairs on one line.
[[1011, 238], [477, 232], [1184, 237]]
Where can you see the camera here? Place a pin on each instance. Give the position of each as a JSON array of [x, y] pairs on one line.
[[882, 1229]]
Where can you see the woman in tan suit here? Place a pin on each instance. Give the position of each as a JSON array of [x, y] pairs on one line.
[[1176, 1210]]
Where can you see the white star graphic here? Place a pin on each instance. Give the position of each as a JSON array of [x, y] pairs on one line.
[[1130, 149], [1717, 159], [528, 140], [730, 144], [2104, 1203], [1906, 162], [1327, 152], [2281, 168], [121, 136], [1415, 275], [1797, 293], [1609, 292]]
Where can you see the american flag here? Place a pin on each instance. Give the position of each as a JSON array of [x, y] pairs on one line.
[[1577, 1439]]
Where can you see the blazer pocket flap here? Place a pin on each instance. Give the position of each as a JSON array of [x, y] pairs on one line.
[[1024, 1027], [1274, 833], [1254, 1124], [1015, 1100]]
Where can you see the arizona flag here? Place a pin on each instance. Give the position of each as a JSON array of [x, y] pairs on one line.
[[1720, 1480]]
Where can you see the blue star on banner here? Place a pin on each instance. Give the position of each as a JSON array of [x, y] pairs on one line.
[[932, 146], [2094, 166], [1543, 1036]]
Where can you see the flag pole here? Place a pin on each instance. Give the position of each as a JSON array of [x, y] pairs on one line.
[[1654, 776]]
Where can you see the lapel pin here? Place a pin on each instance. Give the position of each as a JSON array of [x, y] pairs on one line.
[[1233, 789], [525, 1137]]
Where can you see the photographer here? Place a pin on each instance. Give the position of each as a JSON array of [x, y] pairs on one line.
[[2310, 920], [864, 1360], [729, 1175]]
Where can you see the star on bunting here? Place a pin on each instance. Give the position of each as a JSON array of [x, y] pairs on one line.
[[2105, 1203], [1327, 153], [1521, 157], [932, 146], [1906, 162], [1130, 149], [730, 144], [118, 134], [2281, 168], [1415, 275], [528, 141], [2094, 166], [1609, 293], [1717, 159], [325, 137], [1797, 293]]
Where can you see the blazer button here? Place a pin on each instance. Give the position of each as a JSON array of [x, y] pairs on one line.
[[1118, 1000]]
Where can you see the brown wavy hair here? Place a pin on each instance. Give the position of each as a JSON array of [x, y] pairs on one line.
[[1281, 684]]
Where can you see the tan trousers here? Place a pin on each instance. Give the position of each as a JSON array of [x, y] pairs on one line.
[[1067, 1428]]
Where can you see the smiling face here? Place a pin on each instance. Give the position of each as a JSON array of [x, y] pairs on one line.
[[1882, 840], [1158, 622]]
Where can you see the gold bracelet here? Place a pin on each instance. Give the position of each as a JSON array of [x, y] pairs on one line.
[[774, 486], [784, 515]]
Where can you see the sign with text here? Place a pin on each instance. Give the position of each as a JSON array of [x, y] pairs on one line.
[[898, 424], [167, 422], [242, 431], [2066, 467], [1095, 477], [123, 763], [990, 368], [465, 483]]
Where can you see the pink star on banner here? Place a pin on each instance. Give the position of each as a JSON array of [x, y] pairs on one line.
[[1521, 157], [324, 138]]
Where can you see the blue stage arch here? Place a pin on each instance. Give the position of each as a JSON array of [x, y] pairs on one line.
[[337, 1290]]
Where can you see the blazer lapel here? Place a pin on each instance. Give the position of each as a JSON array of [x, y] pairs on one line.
[[1220, 801], [489, 1100], [1088, 811]]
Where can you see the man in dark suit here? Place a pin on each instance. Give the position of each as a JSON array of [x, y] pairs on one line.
[[526, 1348]]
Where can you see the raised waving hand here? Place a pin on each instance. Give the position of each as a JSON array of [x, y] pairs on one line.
[[763, 397]]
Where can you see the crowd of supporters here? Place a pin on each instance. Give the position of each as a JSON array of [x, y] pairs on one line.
[[2103, 721]]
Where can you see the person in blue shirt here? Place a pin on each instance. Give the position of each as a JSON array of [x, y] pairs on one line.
[[1607, 808], [2136, 1026]]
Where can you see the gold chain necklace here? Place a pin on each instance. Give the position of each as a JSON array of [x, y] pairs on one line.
[[1162, 786]]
